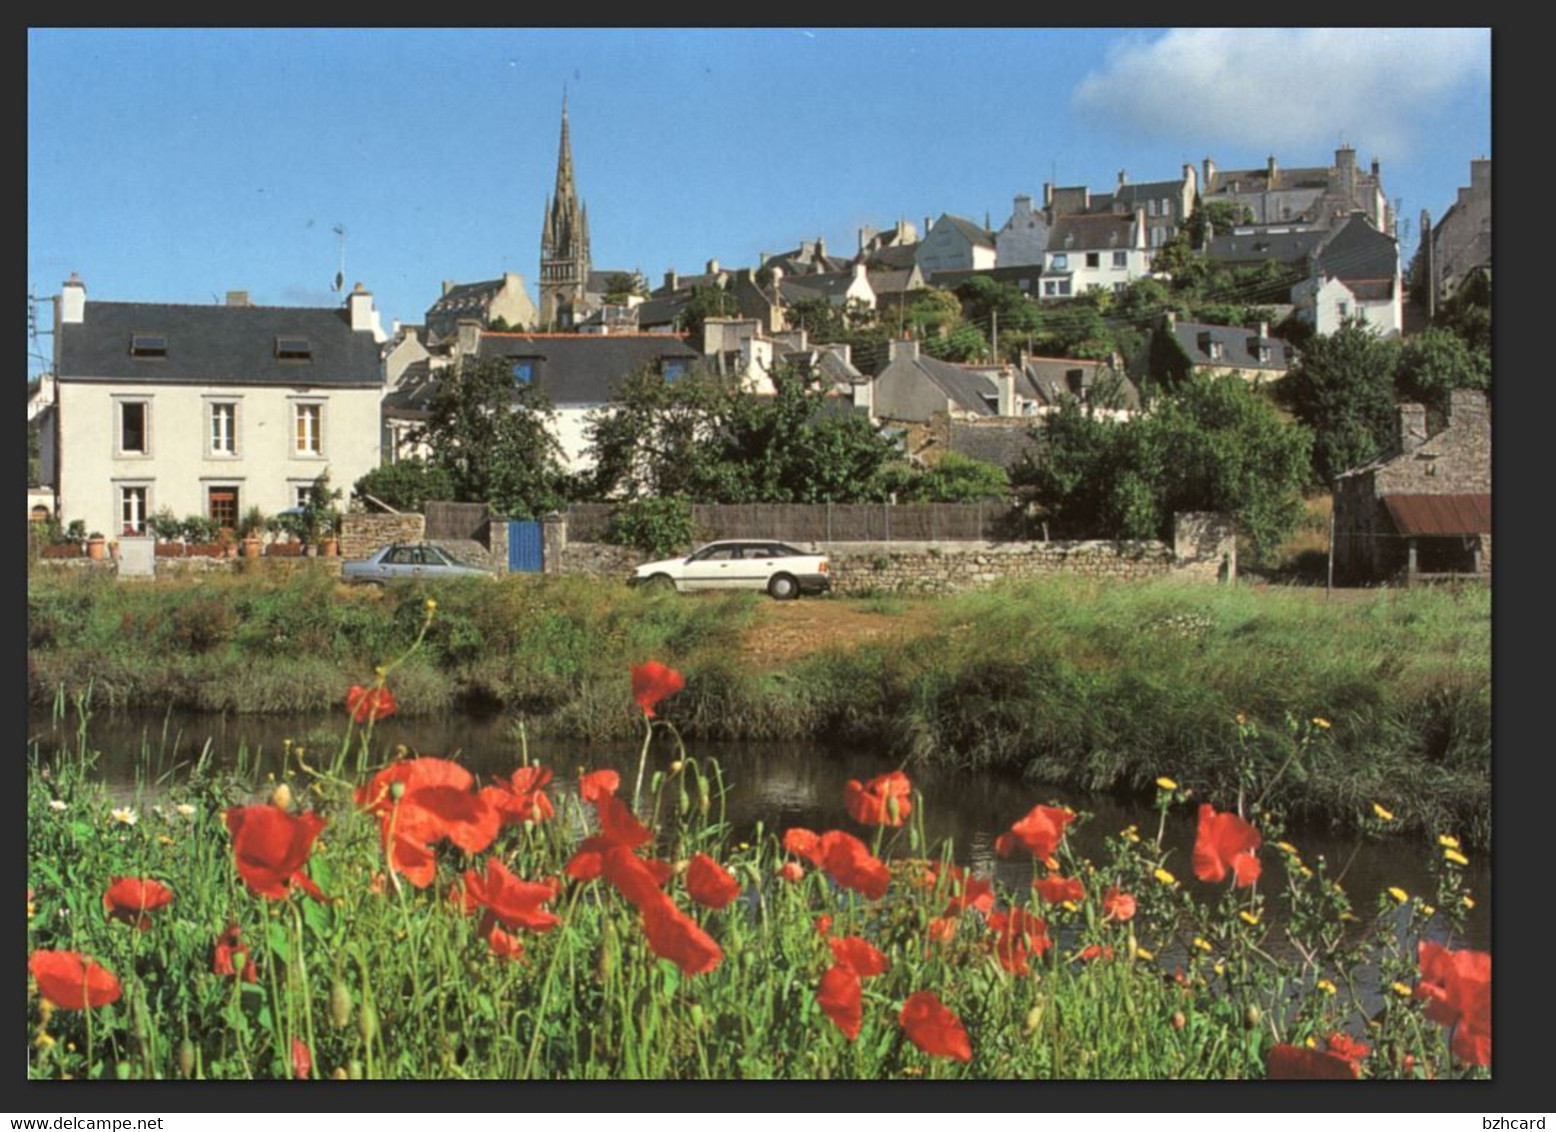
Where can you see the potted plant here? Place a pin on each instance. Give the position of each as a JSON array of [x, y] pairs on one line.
[[250, 528], [319, 516], [96, 545]]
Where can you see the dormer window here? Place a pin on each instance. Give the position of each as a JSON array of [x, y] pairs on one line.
[[673, 368], [1215, 350], [294, 349], [1264, 353], [523, 370], [148, 345]]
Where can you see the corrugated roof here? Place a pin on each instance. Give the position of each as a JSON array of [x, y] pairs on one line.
[[1440, 514]]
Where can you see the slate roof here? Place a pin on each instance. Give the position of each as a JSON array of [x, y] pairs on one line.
[[1358, 251], [1003, 445], [975, 233], [217, 345], [1132, 194], [1087, 232], [1258, 180], [830, 284], [898, 257], [662, 309], [1239, 346], [466, 299], [585, 368], [968, 388], [1287, 247], [889, 282]]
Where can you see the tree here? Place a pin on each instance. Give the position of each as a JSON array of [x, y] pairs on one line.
[[707, 300], [33, 454], [1468, 312], [1342, 387], [954, 479], [1217, 445], [932, 311], [491, 434], [819, 318], [619, 287], [1217, 215], [1433, 364], [649, 440], [407, 485]]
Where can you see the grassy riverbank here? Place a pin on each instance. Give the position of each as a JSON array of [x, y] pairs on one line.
[[1103, 686]]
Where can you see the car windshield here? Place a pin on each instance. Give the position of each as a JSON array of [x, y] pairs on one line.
[[433, 557]]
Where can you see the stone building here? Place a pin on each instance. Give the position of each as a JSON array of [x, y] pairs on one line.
[[1316, 196], [1461, 240], [564, 244], [1423, 508]]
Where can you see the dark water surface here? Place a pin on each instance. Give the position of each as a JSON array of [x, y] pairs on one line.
[[777, 785]]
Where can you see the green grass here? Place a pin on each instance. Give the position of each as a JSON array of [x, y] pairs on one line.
[[394, 983]]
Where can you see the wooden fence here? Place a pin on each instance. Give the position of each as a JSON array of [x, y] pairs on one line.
[[826, 522], [455, 520]]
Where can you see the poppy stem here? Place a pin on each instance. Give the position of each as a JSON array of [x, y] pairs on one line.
[[648, 736], [545, 994], [302, 971]]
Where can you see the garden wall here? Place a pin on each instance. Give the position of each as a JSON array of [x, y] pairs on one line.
[[360, 535]]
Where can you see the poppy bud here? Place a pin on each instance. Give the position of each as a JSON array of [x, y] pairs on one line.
[[397, 790], [186, 1058], [367, 1022], [1179, 1021], [1252, 1015], [703, 803], [281, 797], [676, 766], [339, 1074], [696, 1013], [354, 1070], [340, 1005], [683, 803]]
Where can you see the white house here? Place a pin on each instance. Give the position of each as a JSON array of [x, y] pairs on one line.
[[209, 410], [1095, 250], [1024, 238], [955, 244]]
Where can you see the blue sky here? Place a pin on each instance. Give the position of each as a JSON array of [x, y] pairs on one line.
[[175, 165]]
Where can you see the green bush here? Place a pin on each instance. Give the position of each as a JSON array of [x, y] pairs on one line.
[[661, 527]]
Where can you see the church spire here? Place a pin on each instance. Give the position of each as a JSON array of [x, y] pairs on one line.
[[564, 160], [564, 248]]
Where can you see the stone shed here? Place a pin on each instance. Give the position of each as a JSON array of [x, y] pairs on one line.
[[1421, 510]]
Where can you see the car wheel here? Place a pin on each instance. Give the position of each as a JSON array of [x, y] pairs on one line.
[[783, 588], [660, 584]]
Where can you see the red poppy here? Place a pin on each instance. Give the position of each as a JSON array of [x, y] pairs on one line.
[[652, 682], [502, 945], [792, 872], [942, 929], [130, 898], [522, 798], [1343, 1045], [370, 703], [515, 902], [229, 946], [849, 862], [966, 892], [675, 936], [1226, 842], [803, 843], [633, 877], [598, 784], [435, 803], [1095, 951], [1018, 936], [709, 883], [933, 1028], [1117, 905], [823, 924], [1457, 985], [271, 847], [1040, 832], [1057, 889], [302, 1060], [618, 828], [72, 981], [884, 800], [841, 999], [1297, 1063], [858, 955]]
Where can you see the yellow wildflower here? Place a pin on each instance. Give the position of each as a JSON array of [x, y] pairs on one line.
[[1143, 953], [1219, 967], [1165, 877], [380, 671], [1399, 894], [164, 839], [1202, 943], [1349, 917], [1242, 719], [1070, 906], [1447, 841], [1249, 918], [1400, 989], [1455, 856], [1327, 987], [1428, 910], [1311, 1043], [184, 809], [1166, 783], [1386, 815], [1287, 847], [1468, 901], [124, 815], [1132, 834], [1321, 723], [44, 1040], [1307, 872], [432, 605]]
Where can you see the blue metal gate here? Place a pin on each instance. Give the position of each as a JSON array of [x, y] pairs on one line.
[[525, 554]]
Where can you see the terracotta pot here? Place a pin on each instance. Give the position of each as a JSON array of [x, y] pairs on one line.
[[251, 548], [96, 548], [330, 547], [113, 550]]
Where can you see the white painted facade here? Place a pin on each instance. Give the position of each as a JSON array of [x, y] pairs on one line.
[[947, 248], [1325, 303]]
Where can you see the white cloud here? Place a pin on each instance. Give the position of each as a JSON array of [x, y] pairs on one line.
[[1284, 88]]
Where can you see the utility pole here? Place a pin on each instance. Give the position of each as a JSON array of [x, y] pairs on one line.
[[995, 333]]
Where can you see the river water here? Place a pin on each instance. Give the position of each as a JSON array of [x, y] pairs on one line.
[[777, 785]]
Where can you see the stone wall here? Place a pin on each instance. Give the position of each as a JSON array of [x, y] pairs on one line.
[[948, 567], [165, 568], [600, 559], [360, 535]]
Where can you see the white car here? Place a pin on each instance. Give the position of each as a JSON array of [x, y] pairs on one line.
[[740, 564]]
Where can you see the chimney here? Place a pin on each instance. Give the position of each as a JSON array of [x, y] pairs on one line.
[[1023, 205], [1005, 382], [449, 285], [1272, 171], [1345, 157], [1140, 229], [467, 338], [1123, 177], [713, 267], [360, 304], [1468, 409], [238, 299], [904, 348], [1480, 174], [1376, 169], [1210, 177], [72, 300], [821, 247], [1264, 329], [1412, 427], [926, 226], [1048, 194], [672, 280], [866, 234], [512, 280]]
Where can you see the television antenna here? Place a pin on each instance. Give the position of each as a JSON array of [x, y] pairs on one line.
[[340, 275], [34, 346]]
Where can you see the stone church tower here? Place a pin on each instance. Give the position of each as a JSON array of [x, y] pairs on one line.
[[564, 245]]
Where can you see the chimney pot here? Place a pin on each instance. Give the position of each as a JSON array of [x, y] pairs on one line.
[[449, 285], [238, 299], [1123, 177]]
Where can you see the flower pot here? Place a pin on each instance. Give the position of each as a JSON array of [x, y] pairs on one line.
[[251, 547], [113, 549], [330, 547], [97, 547], [229, 550]]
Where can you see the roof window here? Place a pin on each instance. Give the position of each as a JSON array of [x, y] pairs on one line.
[[294, 349], [148, 345]]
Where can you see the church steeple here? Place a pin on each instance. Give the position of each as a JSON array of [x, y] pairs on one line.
[[564, 241]]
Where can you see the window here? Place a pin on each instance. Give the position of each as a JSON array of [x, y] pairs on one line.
[[1120, 260], [308, 436], [132, 510], [1120, 288], [523, 371], [1093, 259], [674, 368], [1343, 307], [1150, 208], [302, 493], [224, 428], [294, 349], [405, 556], [1064, 286], [1215, 350], [1050, 287], [148, 345], [134, 428], [1264, 353], [1061, 262], [222, 505], [1166, 206]]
